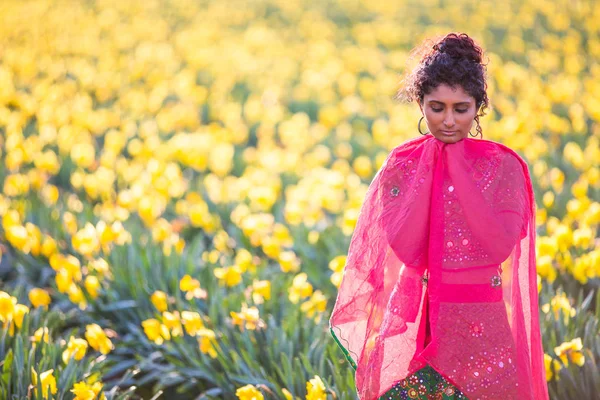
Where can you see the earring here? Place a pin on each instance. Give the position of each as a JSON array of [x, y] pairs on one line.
[[476, 120], [419, 127]]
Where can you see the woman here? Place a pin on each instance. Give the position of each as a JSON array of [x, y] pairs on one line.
[[439, 294]]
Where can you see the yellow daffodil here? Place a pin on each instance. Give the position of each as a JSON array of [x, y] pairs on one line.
[[249, 392], [68, 263], [161, 230], [337, 266], [271, 246], [548, 199], [313, 237], [97, 339], [16, 185], [39, 298], [349, 220], [207, 342], [564, 237], [11, 218], [261, 291], [48, 382], [88, 391], [7, 306], [247, 318], [362, 166], [101, 267], [316, 304], [300, 288], [76, 296], [315, 389], [288, 261], [231, 276], [192, 322], [70, 222], [41, 333], [155, 331], [159, 300], [18, 237], [76, 348], [560, 302], [545, 268], [92, 285], [19, 314], [571, 351], [86, 241], [49, 246], [83, 154], [188, 283], [582, 237], [172, 320], [549, 362]]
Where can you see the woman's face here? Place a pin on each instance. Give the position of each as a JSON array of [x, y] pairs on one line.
[[449, 113]]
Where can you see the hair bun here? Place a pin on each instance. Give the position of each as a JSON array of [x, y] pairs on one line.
[[459, 46]]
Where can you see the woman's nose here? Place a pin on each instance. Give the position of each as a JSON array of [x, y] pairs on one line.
[[449, 120]]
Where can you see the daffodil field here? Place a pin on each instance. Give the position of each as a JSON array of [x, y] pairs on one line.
[[181, 179]]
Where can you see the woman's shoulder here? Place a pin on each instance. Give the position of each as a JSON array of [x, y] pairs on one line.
[[509, 157], [402, 152], [410, 145], [496, 145], [514, 168]]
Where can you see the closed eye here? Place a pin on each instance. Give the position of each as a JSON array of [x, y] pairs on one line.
[[440, 109]]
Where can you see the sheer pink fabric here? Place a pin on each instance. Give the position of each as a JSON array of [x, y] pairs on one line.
[[445, 236]]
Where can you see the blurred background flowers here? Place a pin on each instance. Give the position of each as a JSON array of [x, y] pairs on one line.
[[181, 180]]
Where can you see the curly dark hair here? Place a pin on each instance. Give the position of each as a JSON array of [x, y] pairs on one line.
[[455, 60]]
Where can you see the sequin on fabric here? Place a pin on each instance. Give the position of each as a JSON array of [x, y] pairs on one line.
[[426, 383], [487, 358], [460, 245], [407, 174]]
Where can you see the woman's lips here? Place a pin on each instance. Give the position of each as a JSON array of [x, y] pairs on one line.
[[448, 133]]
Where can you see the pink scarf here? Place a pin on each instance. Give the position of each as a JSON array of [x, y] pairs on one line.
[[446, 232]]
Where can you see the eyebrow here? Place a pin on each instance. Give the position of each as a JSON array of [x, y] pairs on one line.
[[461, 102]]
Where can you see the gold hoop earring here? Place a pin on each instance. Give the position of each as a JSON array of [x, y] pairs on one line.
[[419, 126], [476, 120]]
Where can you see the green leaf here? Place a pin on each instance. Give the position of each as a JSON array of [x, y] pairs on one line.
[[120, 305], [6, 368]]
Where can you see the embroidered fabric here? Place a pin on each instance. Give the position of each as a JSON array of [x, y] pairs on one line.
[[445, 235], [425, 383]]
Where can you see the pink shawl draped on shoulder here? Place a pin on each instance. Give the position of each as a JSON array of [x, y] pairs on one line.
[[445, 236]]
